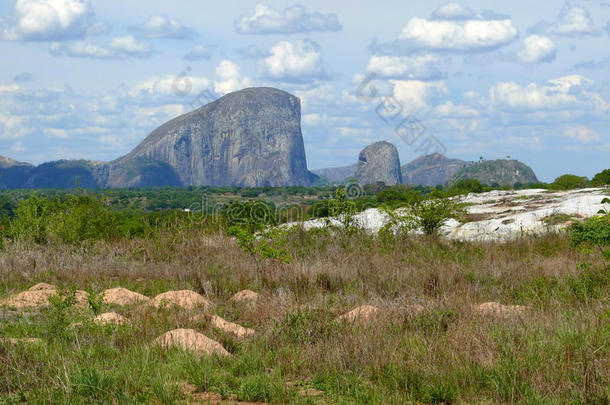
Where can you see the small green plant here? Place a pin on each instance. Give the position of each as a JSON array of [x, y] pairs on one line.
[[429, 215], [269, 244], [344, 210], [95, 301], [59, 322]]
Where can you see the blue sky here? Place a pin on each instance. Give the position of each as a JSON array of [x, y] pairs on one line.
[[90, 79]]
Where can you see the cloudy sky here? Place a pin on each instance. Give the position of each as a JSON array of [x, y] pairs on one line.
[[91, 78]]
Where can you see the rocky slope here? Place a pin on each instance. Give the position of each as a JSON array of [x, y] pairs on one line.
[[379, 162], [431, 170], [248, 138], [501, 172]]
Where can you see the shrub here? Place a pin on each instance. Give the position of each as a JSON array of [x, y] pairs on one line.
[[465, 186], [429, 215], [252, 215], [569, 182], [601, 179], [592, 232], [58, 326]]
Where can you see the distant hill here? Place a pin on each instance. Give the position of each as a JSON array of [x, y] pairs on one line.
[[336, 174], [431, 170], [501, 171], [12, 172]]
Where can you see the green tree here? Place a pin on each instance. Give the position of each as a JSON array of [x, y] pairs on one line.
[[602, 178], [569, 182]]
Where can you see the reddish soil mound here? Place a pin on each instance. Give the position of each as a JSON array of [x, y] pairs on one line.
[[123, 296], [191, 340], [186, 299]]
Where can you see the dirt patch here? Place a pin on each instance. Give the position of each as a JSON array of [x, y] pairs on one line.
[[230, 327], [186, 299], [42, 286], [495, 309], [191, 340], [38, 298], [123, 296], [110, 318], [364, 313], [245, 296]]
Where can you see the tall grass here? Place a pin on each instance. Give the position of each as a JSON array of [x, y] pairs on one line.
[[557, 353]]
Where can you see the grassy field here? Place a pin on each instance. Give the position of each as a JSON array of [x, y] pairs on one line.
[[556, 352]]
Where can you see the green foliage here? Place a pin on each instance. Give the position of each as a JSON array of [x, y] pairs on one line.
[[569, 182], [590, 283], [466, 186], [429, 215], [343, 209], [58, 323], [601, 179], [95, 301], [592, 232], [264, 245], [252, 215]]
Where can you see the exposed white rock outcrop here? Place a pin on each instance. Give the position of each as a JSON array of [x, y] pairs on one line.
[[499, 215]]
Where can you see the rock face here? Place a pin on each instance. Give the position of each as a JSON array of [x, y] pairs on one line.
[[249, 138], [501, 172], [431, 170], [379, 162]]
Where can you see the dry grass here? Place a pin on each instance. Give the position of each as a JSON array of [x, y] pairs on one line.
[[556, 352]]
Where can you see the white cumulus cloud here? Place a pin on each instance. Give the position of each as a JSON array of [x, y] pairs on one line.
[[266, 20], [118, 48], [169, 85], [453, 11], [231, 78], [555, 94], [469, 35], [417, 95], [572, 21], [160, 26], [296, 62], [424, 67], [50, 20], [537, 49], [199, 52], [581, 133]]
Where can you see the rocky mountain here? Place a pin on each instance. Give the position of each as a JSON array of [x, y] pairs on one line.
[[336, 174], [12, 172], [501, 172], [247, 138], [379, 162], [431, 170]]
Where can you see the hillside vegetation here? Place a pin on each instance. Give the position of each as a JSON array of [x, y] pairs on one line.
[[524, 321]]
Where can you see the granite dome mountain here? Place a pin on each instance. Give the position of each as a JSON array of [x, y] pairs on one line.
[[249, 138]]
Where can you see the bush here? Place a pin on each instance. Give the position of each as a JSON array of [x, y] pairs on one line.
[[592, 232], [429, 215], [601, 179], [465, 186], [252, 215], [569, 182]]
